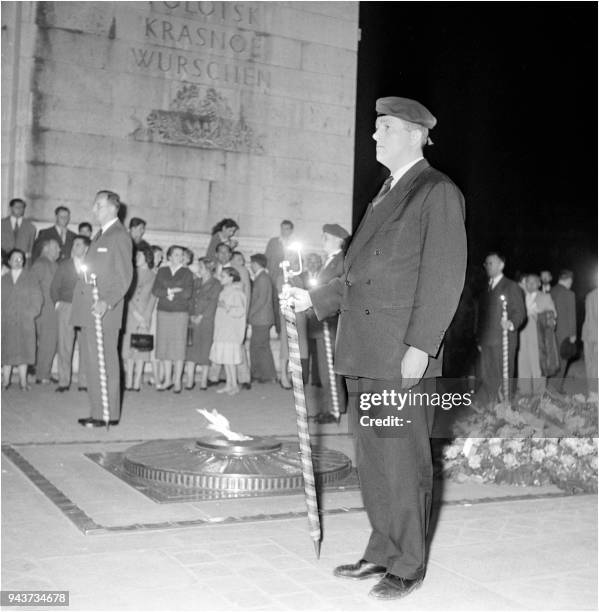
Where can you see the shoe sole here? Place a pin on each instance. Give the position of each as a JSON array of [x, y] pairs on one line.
[[379, 575]]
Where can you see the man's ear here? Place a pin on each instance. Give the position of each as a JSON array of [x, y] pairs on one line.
[[415, 137]]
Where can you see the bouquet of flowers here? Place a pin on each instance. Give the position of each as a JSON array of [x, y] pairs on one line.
[[537, 441]]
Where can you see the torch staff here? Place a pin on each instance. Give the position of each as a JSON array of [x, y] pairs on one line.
[[328, 347], [295, 365], [101, 359], [505, 350]]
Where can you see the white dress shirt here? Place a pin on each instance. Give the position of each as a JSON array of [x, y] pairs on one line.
[[401, 171]]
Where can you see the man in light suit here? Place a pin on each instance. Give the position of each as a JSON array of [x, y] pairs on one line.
[[402, 279], [490, 327], [334, 238], [18, 232], [59, 232], [110, 258], [261, 317], [565, 330], [61, 291]]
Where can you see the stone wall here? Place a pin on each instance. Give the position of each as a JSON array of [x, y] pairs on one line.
[[191, 111]]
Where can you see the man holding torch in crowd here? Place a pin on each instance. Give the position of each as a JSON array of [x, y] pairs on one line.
[[402, 279], [109, 258]]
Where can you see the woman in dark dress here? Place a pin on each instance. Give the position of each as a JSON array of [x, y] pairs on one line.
[[173, 288], [21, 304], [204, 301]]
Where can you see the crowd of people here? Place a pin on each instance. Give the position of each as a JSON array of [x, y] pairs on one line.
[[538, 321], [192, 318], [188, 318]]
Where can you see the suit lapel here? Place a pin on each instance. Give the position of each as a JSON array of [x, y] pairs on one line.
[[372, 221]]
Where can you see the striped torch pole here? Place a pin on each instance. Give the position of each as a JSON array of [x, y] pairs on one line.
[[328, 347], [101, 359], [505, 352], [295, 365]]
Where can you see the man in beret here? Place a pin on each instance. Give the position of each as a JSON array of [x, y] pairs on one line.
[[402, 278], [334, 238]]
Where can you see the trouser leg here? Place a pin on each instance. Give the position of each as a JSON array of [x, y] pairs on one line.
[[111, 358], [66, 341], [396, 478]]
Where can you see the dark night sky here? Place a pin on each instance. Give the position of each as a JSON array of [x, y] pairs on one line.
[[514, 90]]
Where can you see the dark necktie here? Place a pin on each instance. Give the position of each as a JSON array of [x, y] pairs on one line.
[[386, 187], [97, 236], [15, 231]]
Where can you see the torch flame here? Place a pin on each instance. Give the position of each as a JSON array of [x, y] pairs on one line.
[[220, 424]]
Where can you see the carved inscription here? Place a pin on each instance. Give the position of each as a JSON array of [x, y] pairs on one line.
[[204, 42]]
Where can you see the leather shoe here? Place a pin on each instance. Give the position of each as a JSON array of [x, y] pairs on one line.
[[100, 423], [359, 571], [81, 388], [247, 386], [61, 389], [327, 417], [394, 587], [90, 422]]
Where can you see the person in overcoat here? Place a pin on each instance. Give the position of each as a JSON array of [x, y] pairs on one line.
[[261, 317], [44, 269], [565, 330], [333, 238], [140, 307], [21, 303], [402, 279], [110, 258], [59, 232], [17, 231], [530, 377], [203, 303]]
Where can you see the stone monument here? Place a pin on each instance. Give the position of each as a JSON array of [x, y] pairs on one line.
[[191, 111]]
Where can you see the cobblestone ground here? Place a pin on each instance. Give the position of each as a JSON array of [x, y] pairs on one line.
[[531, 553]]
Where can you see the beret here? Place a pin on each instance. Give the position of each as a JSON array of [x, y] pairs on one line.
[[335, 230], [406, 109]]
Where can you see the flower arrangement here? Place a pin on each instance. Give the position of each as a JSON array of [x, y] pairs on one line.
[[536, 441]]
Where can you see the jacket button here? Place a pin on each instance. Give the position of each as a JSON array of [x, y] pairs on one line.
[[348, 283], [368, 282], [367, 311], [377, 252]]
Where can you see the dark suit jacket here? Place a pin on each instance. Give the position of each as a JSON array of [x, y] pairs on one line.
[[64, 281], [51, 233], [261, 309], [402, 278], [109, 257], [275, 254], [326, 274], [565, 306], [488, 330], [25, 238]]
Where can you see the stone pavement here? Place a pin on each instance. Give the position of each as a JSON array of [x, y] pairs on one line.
[[525, 549]]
